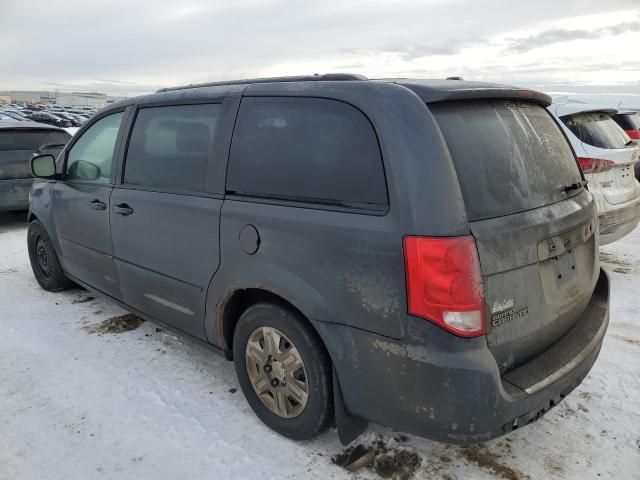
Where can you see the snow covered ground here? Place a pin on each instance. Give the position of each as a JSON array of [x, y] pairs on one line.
[[146, 404]]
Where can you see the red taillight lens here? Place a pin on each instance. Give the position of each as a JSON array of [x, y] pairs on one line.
[[595, 165], [633, 134], [444, 283]]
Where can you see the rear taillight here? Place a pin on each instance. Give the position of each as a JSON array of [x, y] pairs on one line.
[[595, 165], [444, 283], [633, 134]]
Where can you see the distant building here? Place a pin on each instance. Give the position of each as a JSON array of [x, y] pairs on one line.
[[65, 99]]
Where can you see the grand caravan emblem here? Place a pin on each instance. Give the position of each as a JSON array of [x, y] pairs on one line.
[[503, 312]]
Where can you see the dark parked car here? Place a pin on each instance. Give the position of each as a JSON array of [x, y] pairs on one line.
[[49, 119], [18, 141], [70, 118], [421, 254]]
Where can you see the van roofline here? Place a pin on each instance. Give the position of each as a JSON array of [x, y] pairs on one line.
[[429, 90], [332, 77]]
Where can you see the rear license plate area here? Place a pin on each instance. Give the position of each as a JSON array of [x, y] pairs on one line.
[[566, 263]]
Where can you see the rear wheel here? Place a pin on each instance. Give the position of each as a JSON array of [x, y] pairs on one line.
[[44, 261], [283, 370]]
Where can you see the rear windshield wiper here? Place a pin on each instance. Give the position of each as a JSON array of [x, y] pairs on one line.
[[575, 186]]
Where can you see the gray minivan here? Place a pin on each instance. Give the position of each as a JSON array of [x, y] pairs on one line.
[[422, 254]]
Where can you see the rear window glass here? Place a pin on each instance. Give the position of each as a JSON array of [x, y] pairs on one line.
[[510, 156], [597, 129], [628, 121], [30, 140], [306, 149]]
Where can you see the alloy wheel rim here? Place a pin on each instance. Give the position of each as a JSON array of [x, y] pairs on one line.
[[277, 372]]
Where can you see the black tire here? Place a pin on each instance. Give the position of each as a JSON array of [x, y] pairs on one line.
[[317, 414], [44, 261]]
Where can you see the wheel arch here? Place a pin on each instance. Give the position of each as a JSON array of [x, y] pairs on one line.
[[238, 301]]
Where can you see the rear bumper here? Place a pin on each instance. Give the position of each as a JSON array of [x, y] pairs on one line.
[[619, 221], [14, 194], [449, 389]]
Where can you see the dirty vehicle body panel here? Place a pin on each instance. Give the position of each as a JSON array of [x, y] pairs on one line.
[[18, 141], [341, 263]]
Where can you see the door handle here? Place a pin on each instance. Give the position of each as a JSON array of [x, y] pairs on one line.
[[97, 204], [123, 209]]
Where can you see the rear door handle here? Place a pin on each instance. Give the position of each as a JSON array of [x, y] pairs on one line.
[[123, 209], [97, 204]]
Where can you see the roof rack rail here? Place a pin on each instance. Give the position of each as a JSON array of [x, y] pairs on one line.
[[299, 78]]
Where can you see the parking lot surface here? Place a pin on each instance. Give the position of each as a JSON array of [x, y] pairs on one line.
[[81, 399]]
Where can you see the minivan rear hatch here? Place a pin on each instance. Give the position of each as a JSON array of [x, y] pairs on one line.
[[533, 221]]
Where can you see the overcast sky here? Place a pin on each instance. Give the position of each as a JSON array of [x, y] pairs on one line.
[[578, 46]]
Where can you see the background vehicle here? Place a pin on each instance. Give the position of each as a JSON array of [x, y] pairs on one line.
[[630, 123], [13, 115], [607, 157], [69, 117], [18, 141], [49, 119], [337, 236], [79, 118]]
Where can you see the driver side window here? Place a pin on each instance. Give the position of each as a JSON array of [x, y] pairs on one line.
[[91, 157]]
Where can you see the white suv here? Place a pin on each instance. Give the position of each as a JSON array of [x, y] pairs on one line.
[[607, 157]]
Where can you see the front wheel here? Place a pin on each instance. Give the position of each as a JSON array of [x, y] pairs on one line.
[[284, 371], [44, 261]]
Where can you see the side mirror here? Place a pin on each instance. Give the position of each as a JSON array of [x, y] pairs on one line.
[[43, 166]]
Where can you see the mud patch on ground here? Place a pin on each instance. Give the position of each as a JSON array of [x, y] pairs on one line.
[[83, 300], [120, 324], [623, 270], [386, 458], [440, 463], [616, 264], [613, 259], [630, 340], [585, 395], [582, 408], [489, 461]]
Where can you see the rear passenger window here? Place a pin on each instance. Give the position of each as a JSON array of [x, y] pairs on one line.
[[170, 147], [596, 129], [306, 149]]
